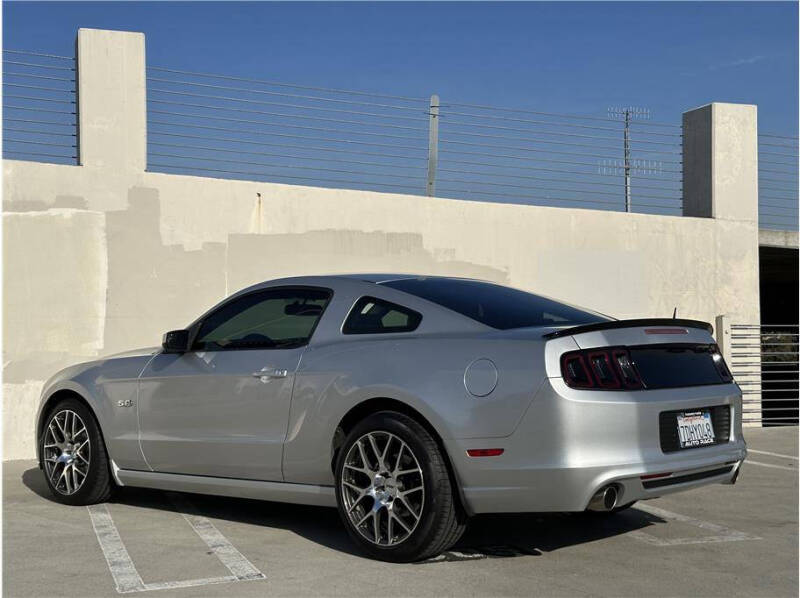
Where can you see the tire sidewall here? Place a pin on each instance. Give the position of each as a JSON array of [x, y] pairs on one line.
[[98, 464], [420, 443]]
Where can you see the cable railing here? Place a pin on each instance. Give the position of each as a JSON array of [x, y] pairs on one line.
[[506, 154], [39, 107], [239, 127], [777, 181]]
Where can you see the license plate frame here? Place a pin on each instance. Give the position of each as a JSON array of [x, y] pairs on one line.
[[695, 429]]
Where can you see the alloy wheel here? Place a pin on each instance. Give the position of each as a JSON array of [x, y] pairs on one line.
[[383, 489], [66, 452]]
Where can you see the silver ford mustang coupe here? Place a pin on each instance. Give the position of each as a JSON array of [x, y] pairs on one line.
[[410, 403]]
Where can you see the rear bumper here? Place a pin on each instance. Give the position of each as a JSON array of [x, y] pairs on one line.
[[571, 443]]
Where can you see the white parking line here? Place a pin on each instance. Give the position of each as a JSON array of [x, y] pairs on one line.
[[720, 533], [749, 450], [125, 575], [234, 560], [127, 578], [751, 462]]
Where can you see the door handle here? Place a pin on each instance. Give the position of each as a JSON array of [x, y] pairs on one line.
[[267, 373]]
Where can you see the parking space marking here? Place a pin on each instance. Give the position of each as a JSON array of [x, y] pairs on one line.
[[749, 450], [751, 462], [226, 552], [127, 578], [720, 532]]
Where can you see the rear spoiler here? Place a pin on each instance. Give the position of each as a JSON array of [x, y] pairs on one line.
[[672, 322]]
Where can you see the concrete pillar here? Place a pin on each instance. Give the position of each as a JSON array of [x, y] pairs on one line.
[[112, 111], [720, 162]]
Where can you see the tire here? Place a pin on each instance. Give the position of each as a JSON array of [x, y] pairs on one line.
[[413, 524], [71, 480]]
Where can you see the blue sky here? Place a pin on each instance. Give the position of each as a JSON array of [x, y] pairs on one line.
[[561, 57]]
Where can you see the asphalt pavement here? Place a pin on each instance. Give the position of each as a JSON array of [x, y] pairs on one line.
[[719, 540]]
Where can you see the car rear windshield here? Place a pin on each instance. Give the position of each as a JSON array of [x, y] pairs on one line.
[[495, 305]]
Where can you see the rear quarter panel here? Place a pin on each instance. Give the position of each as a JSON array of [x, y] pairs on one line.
[[425, 372]]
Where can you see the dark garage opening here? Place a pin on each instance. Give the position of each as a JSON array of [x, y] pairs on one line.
[[778, 271]]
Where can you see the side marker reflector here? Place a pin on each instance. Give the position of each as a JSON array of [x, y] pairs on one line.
[[652, 476], [493, 452]]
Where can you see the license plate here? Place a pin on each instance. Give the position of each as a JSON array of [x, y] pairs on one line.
[[695, 428]]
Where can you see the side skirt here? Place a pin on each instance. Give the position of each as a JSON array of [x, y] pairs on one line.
[[304, 494]]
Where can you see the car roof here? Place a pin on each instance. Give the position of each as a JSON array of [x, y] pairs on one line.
[[379, 278]]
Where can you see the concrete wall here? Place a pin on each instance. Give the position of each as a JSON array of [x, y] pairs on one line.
[[105, 256]]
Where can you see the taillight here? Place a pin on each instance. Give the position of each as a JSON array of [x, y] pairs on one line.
[[610, 369], [719, 363]]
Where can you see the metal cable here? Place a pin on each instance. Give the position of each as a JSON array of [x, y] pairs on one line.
[[292, 85], [777, 171], [281, 166], [777, 154], [281, 94], [776, 136], [27, 53], [37, 154], [289, 135], [524, 149], [771, 180], [573, 172], [538, 198], [38, 143], [778, 215], [283, 104], [274, 155], [9, 107], [283, 176], [764, 143], [512, 186], [39, 132], [282, 115], [524, 111], [268, 124], [762, 196], [300, 147], [558, 133], [38, 87], [770, 205], [41, 66], [533, 159], [18, 97], [536, 161], [445, 115], [563, 143], [32, 76], [38, 122]]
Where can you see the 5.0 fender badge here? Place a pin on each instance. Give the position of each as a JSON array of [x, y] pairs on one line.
[[127, 403]]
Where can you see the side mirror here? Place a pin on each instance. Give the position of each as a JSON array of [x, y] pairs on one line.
[[176, 341]]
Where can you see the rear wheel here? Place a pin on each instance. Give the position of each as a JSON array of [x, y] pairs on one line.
[[74, 456], [394, 492]]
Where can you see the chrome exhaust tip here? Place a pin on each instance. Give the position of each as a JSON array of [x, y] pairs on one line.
[[604, 499]]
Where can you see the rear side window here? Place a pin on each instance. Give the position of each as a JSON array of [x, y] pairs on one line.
[[376, 316], [495, 305]]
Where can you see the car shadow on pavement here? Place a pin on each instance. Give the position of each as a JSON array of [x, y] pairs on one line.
[[487, 536]]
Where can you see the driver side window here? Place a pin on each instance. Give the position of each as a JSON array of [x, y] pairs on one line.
[[270, 319]]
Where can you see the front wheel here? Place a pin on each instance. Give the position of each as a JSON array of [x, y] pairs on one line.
[[73, 455], [394, 492]]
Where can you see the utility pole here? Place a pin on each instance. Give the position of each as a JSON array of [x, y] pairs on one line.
[[627, 114]]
